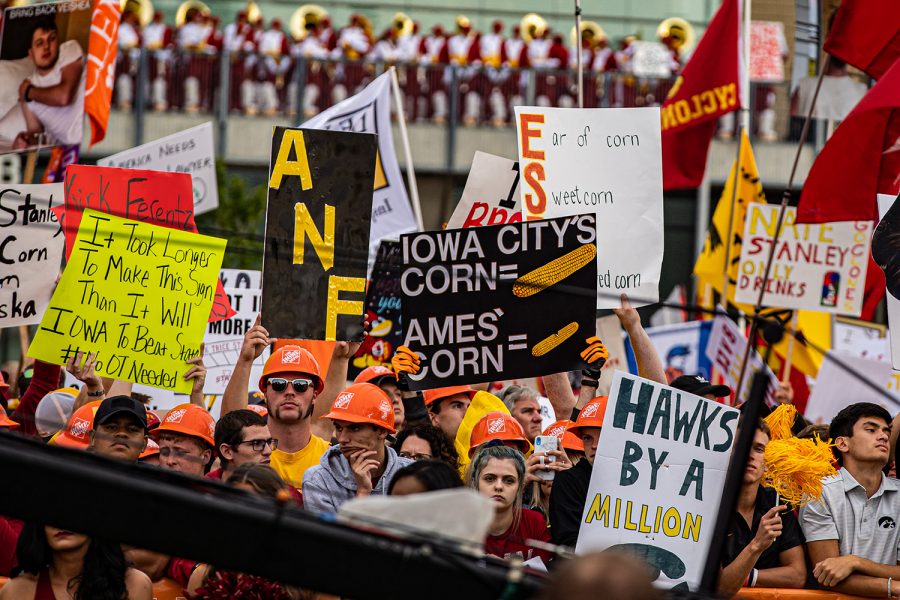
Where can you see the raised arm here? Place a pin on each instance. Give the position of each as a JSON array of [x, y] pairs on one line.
[[648, 362], [255, 341]]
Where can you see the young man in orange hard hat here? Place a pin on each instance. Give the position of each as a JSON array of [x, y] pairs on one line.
[[296, 398], [386, 379], [185, 438], [362, 464]]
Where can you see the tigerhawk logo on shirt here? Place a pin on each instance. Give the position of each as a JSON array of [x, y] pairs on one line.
[[497, 425], [343, 400], [886, 523]]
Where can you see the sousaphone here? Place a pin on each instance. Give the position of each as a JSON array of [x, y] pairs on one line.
[[590, 30], [188, 9], [680, 31], [305, 19], [532, 26], [142, 8]]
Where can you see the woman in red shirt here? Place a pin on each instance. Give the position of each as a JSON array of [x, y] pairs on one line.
[[498, 472]]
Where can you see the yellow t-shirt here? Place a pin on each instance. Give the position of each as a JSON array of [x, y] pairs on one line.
[[292, 465]]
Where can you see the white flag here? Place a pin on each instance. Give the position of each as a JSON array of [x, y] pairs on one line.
[[370, 112]]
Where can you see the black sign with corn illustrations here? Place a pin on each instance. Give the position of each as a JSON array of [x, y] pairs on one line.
[[501, 302]]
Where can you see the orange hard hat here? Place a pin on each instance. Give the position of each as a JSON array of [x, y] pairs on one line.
[[567, 439], [152, 449], [292, 359], [189, 419], [75, 435], [591, 415], [259, 409], [375, 373], [498, 426], [363, 403], [3, 384], [432, 396], [5, 421]]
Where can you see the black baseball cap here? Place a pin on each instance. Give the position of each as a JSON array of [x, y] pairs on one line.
[[115, 405], [699, 386]]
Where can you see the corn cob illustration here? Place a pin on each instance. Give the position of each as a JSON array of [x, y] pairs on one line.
[[553, 340], [554, 271]]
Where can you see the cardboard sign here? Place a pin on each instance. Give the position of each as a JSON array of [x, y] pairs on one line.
[[816, 267], [605, 161], [41, 120], [658, 477], [767, 51], [682, 348], [250, 279], [725, 350], [138, 295], [499, 302], [836, 388], [861, 338], [31, 247], [224, 339], [369, 111], [317, 233], [153, 197], [652, 59], [190, 151], [491, 195], [383, 301]]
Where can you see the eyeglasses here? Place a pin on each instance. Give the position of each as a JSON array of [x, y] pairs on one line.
[[259, 445], [412, 456], [279, 384]]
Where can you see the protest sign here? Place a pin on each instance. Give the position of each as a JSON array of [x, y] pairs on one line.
[[682, 348], [815, 267], [153, 197], [499, 302], [491, 195], [605, 161], [136, 294], [224, 339], [250, 279], [47, 45], [370, 112], [768, 50], [190, 151], [31, 247], [609, 329], [658, 477], [845, 379], [725, 350], [860, 338], [652, 59], [383, 300], [885, 202], [318, 216]]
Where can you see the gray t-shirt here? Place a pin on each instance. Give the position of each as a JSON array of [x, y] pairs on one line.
[[865, 527]]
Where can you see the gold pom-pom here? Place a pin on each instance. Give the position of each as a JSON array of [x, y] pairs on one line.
[[780, 421], [795, 468]]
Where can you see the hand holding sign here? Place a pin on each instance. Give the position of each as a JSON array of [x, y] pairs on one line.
[[255, 341]]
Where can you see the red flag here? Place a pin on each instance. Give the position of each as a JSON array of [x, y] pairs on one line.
[[708, 87], [861, 160], [101, 65], [866, 34]]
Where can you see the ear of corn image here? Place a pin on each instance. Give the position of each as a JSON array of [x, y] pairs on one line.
[[552, 341], [554, 271]]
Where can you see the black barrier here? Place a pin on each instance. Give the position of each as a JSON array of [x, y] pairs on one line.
[[208, 521]]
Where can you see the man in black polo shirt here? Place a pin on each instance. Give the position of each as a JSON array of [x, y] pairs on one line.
[[764, 547]]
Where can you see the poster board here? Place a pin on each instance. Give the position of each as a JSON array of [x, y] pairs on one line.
[[250, 279], [652, 60], [136, 294], [318, 216], [472, 313], [224, 339], [816, 266], [31, 248], [725, 351], [39, 43], [835, 388], [190, 151], [767, 51], [491, 195], [681, 347], [657, 478], [608, 162], [860, 338]]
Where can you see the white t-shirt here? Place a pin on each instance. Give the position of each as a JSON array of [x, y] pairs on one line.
[[837, 97], [64, 124]]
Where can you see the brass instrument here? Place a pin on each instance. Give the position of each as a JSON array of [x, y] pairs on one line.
[[188, 9], [305, 19], [402, 24], [532, 26], [142, 8], [681, 33], [591, 31]]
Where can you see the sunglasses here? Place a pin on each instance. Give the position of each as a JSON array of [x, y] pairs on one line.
[[279, 384]]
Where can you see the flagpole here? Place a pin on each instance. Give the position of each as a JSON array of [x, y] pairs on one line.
[[728, 240], [579, 58], [785, 199], [789, 355], [410, 170]]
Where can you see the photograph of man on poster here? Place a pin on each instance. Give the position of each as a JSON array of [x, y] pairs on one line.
[[42, 73]]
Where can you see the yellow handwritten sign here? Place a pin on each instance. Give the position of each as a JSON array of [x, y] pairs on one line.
[[137, 294]]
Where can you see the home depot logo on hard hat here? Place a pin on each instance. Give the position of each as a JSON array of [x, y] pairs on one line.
[[80, 428], [385, 409], [343, 400], [290, 357], [558, 430], [497, 425], [590, 410], [379, 370], [175, 416]]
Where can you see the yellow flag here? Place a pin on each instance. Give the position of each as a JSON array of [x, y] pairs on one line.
[[710, 267], [815, 327]]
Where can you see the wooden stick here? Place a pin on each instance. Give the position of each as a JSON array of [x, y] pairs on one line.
[[789, 355]]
